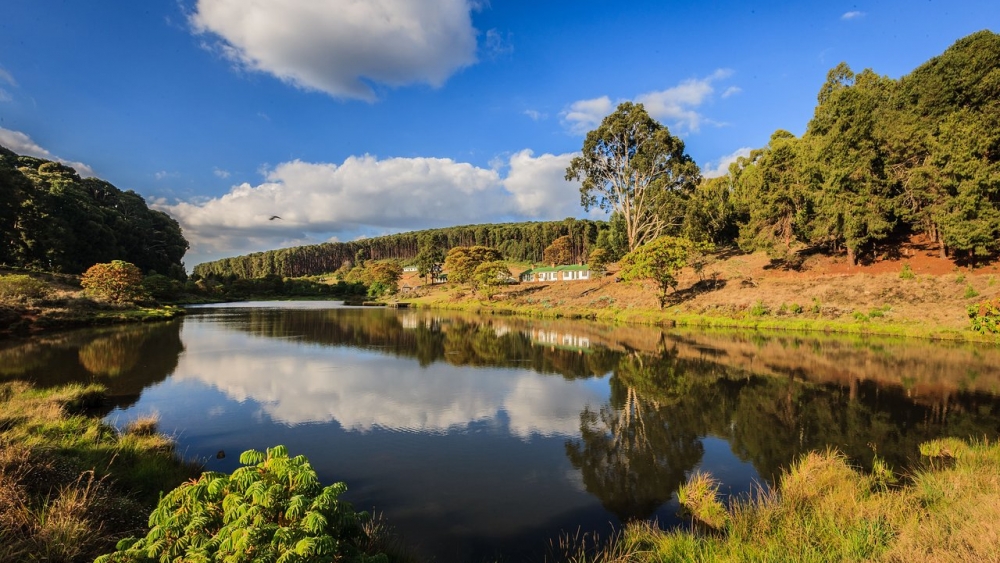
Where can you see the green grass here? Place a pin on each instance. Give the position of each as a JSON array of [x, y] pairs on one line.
[[71, 486]]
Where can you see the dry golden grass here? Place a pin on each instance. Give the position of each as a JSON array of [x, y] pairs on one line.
[[823, 510]]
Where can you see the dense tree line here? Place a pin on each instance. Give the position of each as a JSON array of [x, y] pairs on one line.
[[881, 159], [52, 219], [522, 242]]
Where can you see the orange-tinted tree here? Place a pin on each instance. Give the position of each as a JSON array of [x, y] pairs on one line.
[[116, 281]]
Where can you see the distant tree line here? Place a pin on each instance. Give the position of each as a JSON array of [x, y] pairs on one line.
[[519, 242], [52, 219]]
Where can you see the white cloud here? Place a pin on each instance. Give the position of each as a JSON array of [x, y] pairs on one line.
[[678, 105], [344, 47], [22, 144], [853, 15], [221, 173], [585, 115], [721, 166], [5, 96], [539, 185], [731, 91], [497, 45], [161, 174], [7, 77], [366, 195], [535, 115]]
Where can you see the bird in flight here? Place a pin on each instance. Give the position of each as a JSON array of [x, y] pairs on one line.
[[273, 217]]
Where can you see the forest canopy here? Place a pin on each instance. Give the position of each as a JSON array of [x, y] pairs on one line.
[[880, 160], [52, 219]]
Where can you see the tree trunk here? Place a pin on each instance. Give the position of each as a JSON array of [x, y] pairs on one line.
[[852, 256]]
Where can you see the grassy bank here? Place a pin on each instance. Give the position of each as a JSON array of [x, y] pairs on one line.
[[673, 317], [33, 302], [71, 486], [824, 510]]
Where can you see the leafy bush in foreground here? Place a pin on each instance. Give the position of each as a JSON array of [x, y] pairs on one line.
[[985, 316], [271, 509]]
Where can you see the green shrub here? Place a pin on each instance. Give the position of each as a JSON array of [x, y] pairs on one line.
[[970, 292], [159, 286], [796, 309], [759, 309], [271, 509], [907, 273], [817, 307], [985, 316], [20, 287]]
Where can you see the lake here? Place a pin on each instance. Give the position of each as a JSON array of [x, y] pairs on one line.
[[485, 437]]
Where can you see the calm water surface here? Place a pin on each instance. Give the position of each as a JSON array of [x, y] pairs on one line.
[[481, 437]]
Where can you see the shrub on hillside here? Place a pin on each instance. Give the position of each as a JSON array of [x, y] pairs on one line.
[[117, 281]]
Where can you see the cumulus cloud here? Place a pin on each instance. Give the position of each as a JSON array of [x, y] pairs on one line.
[[853, 15], [22, 144], [343, 47], [539, 186], [584, 115], [367, 195], [720, 167], [731, 91], [678, 105]]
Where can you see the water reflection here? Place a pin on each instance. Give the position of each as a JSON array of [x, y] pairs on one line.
[[124, 359], [478, 434]]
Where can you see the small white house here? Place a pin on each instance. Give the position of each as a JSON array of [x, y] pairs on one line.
[[556, 273]]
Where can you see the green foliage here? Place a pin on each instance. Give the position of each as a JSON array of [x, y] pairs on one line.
[[382, 278], [161, 287], [21, 287], [633, 166], [489, 277], [985, 316], [430, 256], [907, 272], [560, 252], [117, 282], [759, 309], [796, 309], [52, 219], [273, 508], [970, 292], [660, 260], [597, 260], [462, 261]]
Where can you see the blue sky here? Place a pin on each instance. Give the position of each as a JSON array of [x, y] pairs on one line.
[[366, 117]]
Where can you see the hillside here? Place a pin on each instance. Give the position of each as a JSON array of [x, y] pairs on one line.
[[748, 286]]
